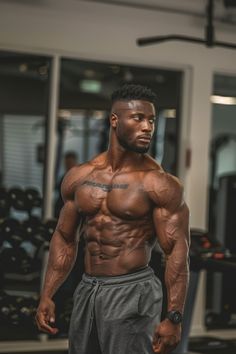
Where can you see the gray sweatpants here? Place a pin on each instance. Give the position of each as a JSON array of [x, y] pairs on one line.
[[122, 311]]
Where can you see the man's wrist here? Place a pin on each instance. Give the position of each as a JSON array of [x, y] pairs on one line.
[[46, 296], [174, 316]]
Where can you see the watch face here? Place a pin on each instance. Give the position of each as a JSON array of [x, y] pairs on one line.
[[175, 316]]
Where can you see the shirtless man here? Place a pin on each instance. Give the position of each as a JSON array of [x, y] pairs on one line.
[[127, 202]]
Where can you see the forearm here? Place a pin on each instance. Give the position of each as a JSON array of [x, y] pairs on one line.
[[176, 280], [62, 256]]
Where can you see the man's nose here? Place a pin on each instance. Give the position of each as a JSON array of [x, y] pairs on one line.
[[147, 126]]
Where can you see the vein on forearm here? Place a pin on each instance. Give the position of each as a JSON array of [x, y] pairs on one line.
[[61, 260], [177, 277]]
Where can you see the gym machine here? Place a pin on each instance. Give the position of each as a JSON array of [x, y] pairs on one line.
[[207, 254]]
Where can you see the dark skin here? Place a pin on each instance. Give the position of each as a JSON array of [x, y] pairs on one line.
[[127, 201]]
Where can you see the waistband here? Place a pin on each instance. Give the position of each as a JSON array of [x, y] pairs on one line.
[[142, 274]]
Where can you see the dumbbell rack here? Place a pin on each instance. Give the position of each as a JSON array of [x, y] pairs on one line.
[[43, 343], [40, 342]]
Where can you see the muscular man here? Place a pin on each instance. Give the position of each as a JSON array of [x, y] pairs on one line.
[[127, 202]]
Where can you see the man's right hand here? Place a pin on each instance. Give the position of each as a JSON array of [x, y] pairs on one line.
[[45, 316]]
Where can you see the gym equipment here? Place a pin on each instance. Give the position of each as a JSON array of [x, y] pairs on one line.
[[27, 307], [17, 310], [24, 200], [17, 198], [20, 261], [209, 40], [35, 234], [30, 227], [12, 232], [222, 205], [208, 254], [32, 198], [16, 259], [8, 310]]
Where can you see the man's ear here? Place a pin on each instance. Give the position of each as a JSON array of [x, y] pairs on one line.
[[113, 120]]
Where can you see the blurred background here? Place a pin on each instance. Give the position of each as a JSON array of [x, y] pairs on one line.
[[59, 63]]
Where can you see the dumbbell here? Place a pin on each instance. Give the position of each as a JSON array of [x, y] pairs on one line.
[[17, 198], [21, 257], [32, 198], [24, 200], [15, 232], [17, 310], [11, 231], [9, 314], [30, 226], [35, 233], [14, 259], [27, 307]]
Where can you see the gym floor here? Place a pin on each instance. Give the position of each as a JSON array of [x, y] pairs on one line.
[[212, 345]]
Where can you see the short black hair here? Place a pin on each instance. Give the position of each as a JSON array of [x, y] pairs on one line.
[[130, 92]]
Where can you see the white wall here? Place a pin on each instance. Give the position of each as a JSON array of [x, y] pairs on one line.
[[108, 32]]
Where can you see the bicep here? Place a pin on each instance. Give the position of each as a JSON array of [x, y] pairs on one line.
[[68, 221], [172, 228], [69, 218]]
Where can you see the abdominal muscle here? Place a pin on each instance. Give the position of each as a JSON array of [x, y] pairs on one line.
[[116, 247]]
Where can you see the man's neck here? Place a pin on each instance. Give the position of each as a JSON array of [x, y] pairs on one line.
[[120, 158]]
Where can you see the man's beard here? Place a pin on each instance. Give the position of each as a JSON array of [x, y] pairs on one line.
[[130, 147]]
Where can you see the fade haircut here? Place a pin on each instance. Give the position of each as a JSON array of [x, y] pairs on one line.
[[130, 92]]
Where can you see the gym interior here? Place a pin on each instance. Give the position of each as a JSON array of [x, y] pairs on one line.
[[59, 63]]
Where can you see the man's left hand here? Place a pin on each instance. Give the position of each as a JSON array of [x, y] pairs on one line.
[[166, 337]]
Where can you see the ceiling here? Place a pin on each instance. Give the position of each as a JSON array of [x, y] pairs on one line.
[[224, 10], [36, 68]]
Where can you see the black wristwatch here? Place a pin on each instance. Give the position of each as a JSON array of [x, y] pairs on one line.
[[174, 316]]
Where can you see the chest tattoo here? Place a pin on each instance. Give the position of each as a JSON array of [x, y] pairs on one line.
[[105, 187]]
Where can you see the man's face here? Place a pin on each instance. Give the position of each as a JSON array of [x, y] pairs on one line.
[[134, 123]]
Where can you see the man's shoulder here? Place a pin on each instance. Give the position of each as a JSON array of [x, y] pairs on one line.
[[162, 187], [74, 177], [159, 177], [77, 174]]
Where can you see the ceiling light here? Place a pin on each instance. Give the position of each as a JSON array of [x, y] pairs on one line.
[[90, 86], [223, 100], [169, 113]]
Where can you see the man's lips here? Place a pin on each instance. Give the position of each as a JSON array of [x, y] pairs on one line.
[[144, 138]]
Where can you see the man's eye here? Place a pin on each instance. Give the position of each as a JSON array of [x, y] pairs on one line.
[[137, 117]]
